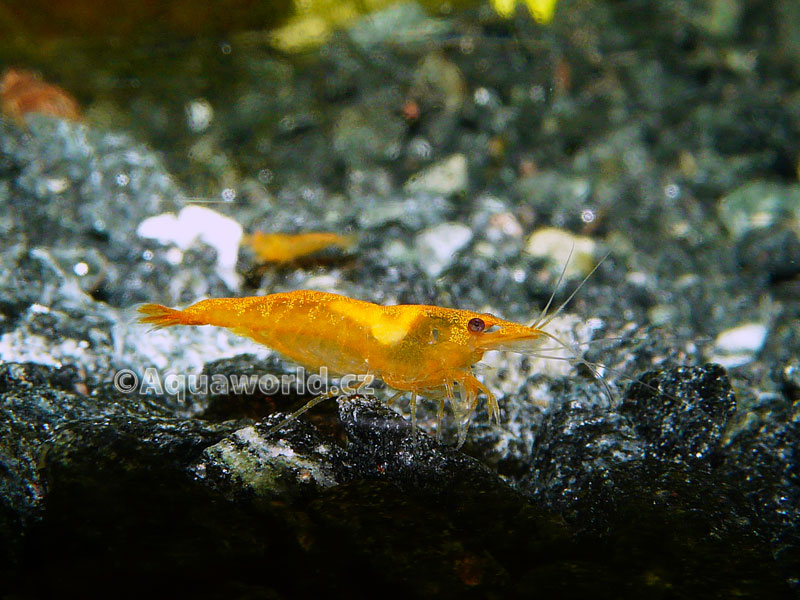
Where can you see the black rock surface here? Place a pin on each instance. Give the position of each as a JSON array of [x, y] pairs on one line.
[[663, 136]]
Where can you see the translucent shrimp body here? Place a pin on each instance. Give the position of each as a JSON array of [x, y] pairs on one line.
[[425, 350]]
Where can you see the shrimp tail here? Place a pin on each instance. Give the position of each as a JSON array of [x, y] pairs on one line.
[[347, 241], [160, 316]]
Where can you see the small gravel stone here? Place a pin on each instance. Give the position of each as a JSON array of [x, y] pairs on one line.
[[446, 177], [556, 245], [438, 246], [759, 204], [739, 345]]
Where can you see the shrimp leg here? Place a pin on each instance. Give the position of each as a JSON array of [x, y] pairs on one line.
[[314, 401], [394, 397], [413, 406], [448, 388], [307, 406]]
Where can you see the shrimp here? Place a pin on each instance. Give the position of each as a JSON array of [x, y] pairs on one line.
[[422, 350], [23, 92], [284, 247]]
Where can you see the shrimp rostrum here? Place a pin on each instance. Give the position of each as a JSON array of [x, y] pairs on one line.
[[426, 351]]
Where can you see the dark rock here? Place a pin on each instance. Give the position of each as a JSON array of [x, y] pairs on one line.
[[251, 388], [42, 409], [681, 414], [646, 489], [578, 448], [770, 254], [791, 380], [383, 446], [764, 463]]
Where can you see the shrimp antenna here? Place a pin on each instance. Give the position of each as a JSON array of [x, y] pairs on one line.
[[543, 314], [594, 368], [543, 319]]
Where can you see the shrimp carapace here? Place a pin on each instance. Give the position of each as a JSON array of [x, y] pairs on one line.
[[425, 350]]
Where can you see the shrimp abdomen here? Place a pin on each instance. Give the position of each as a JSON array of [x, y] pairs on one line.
[[304, 326], [222, 312]]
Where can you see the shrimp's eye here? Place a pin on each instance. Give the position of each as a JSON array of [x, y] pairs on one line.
[[476, 325]]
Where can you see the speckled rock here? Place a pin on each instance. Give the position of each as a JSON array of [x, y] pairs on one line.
[[87, 225], [681, 414], [620, 477], [765, 463], [70, 169]]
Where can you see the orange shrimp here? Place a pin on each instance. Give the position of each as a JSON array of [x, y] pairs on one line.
[[23, 92], [285, 247], [425, 350]]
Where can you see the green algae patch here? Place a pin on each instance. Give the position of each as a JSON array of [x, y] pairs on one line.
[[268, 467]]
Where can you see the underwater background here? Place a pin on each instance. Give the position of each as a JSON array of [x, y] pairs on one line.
[[463, 155]]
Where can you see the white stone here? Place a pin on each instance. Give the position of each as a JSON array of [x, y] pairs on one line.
[[556, 245], [739, 345], [197, 223], [446, 177], [199, 114], [438, 245], [749, 337]]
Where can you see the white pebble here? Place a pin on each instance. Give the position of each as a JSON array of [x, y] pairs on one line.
[[438, 245], [446, 177], [199, 115], [556, 245], [749, 337], [739, 345], [197, 223]]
